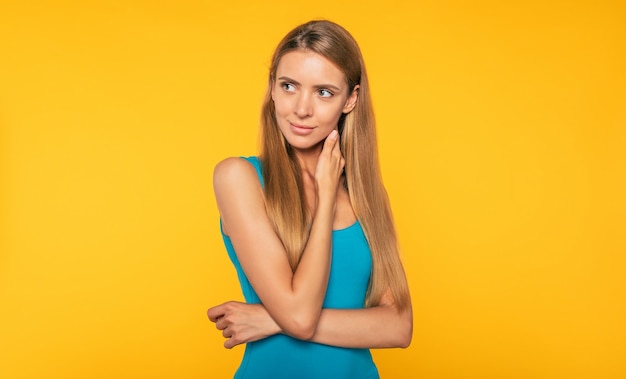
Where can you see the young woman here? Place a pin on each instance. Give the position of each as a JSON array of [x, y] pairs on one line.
[[308, 224]]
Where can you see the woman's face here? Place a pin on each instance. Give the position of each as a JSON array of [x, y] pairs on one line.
[[310, 93]]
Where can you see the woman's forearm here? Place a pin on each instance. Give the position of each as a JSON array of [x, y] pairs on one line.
[[376, 327], [310, 278]]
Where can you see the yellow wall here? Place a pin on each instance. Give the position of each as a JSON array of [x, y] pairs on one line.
[[502, 137]]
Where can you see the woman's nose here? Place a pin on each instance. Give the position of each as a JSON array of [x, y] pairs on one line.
[[304, 106]]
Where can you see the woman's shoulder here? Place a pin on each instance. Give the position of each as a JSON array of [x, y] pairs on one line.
[[238, 191], [233, 166], [236, 171]]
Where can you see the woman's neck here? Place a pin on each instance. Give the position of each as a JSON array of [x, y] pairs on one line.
[[308, 159]]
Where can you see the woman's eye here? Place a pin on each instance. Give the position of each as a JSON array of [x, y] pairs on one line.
[[325, 93], [288, 87]]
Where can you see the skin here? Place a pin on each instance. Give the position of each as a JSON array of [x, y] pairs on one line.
[[310, 94]]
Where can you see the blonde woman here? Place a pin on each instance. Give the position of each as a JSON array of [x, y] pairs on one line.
[[308, 225]]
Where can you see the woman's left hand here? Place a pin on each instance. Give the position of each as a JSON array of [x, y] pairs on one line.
[[242, 323]]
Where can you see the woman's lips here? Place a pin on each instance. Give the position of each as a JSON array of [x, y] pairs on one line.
[[301, 130]]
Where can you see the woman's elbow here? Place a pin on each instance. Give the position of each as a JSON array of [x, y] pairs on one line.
[[301, 328], [302, 334], [405, 331], [404, 339]]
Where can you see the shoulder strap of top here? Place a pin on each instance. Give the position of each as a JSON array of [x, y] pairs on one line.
[[257, 166]]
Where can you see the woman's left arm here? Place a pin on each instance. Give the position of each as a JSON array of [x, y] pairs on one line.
[[382, 326]]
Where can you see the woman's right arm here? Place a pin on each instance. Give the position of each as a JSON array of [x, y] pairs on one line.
[[293, 299]]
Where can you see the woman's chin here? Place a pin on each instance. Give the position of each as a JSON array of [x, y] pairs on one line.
[[305, 146]]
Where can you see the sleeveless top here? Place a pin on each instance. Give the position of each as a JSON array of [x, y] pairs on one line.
[[283, 357]]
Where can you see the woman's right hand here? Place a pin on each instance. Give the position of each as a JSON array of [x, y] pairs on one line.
[[242, 323], [329, 166]]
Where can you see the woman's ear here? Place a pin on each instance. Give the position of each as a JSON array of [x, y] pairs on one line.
[[351, 101]]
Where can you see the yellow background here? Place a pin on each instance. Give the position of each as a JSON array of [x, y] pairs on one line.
[[502, 130]]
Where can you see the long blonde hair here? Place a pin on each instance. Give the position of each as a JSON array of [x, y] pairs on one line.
[[284, 193]]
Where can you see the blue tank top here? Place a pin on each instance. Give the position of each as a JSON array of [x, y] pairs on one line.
[[284, 357]]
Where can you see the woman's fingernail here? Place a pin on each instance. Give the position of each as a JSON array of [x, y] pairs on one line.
[[333, 134]]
